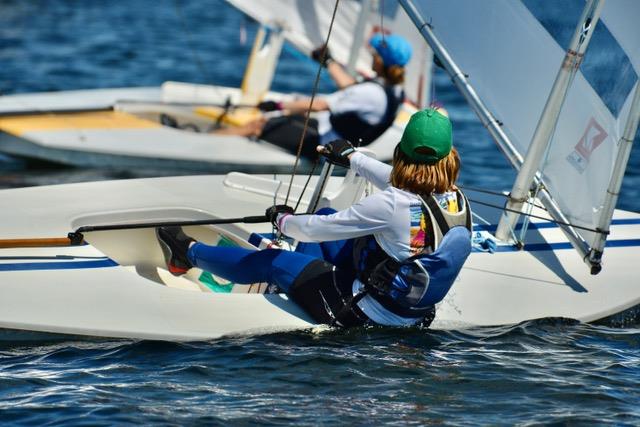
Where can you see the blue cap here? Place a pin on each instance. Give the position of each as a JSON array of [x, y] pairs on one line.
[[393, 49]]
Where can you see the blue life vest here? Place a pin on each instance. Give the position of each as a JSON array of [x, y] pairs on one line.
[[411, 288], [352, 127]]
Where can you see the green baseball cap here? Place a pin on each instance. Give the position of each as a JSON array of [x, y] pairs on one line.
[[427, 137]]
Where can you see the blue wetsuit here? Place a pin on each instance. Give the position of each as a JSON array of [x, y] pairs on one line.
[[317, 276], [277, 266]]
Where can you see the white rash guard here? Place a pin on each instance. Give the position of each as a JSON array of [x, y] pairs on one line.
[[387, 215], [368, 99]]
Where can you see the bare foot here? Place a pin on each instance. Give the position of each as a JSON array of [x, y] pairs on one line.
[[254, 128]]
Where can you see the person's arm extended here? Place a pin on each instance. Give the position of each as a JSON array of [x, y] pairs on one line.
[[342, 153], [368, 216], [339, 75], [337, 72], [372, 170], [299, 106]]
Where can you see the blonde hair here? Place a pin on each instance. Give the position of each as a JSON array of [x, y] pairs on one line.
[[424, 179]]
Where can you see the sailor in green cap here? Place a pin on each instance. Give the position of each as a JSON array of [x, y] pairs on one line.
[[386, 260]]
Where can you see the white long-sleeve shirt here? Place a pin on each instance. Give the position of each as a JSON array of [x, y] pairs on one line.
[[392, 216]]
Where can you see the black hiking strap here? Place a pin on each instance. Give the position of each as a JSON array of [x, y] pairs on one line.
[[437, 214], [350, 314], [468, 221]]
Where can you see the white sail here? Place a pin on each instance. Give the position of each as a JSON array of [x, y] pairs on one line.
[[306, 24], [583, 150], [512, 60]]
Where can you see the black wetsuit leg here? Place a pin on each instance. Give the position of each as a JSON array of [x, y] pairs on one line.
[[285, 132]]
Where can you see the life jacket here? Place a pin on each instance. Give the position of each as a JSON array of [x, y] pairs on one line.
[[411, 288], [352, 127]]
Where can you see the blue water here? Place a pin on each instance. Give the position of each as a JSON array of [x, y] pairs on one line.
[[544, 372]]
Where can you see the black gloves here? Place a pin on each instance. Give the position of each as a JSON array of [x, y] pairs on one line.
[[272, 213], [337, 152], [316, 55], [267, 106]]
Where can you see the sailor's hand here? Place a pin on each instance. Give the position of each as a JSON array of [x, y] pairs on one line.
[[267, 106], [276, 213], [322, 55], [337, 152]]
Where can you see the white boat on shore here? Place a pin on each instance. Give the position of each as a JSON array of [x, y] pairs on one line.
[[568, 253]]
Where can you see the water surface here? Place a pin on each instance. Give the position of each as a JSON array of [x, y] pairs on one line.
[[543, 372]]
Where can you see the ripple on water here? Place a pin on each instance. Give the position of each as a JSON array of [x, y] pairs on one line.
[[550, 371]]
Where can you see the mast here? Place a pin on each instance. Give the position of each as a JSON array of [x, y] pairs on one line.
[[549, 118], [491, 123], [613, 191]]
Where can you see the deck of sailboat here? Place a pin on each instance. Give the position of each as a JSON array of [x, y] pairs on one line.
[[120, 128]]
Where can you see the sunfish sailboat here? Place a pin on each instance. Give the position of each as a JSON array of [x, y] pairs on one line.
[[167, 128], [116, 285]]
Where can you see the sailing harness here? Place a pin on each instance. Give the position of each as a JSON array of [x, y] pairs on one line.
[[350, 126], [412, 287]]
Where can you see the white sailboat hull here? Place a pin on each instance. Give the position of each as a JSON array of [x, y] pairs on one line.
[[121, 128], [116, 286]]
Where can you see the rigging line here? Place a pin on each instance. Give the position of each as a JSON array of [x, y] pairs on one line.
[[502, 208], [479, 218], [482, 190], [313, 96], [498, 193], [315, 164]]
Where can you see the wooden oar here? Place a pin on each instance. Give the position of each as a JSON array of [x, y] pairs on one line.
[[37, 242], [76, 237]]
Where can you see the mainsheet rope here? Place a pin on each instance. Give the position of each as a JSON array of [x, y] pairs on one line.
[[530, 215], [308, 113], [526, 214]]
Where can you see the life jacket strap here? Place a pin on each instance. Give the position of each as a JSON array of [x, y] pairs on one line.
[[350, 312]]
